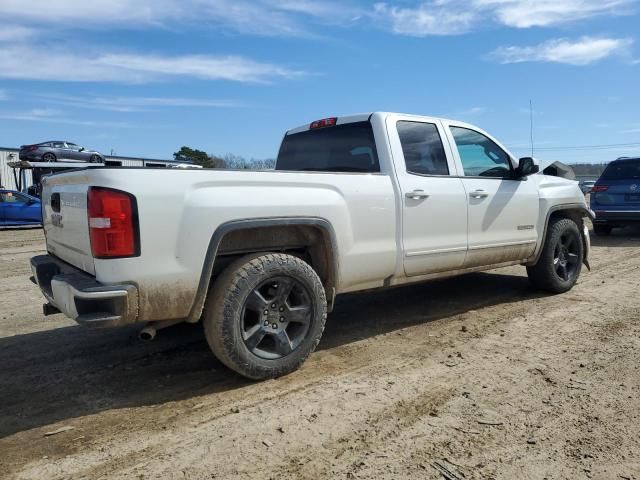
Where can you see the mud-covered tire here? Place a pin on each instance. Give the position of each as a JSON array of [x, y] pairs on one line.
[[602, 230], [563, 246], [230, 313]]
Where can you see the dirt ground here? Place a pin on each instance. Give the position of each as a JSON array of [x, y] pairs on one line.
[[479, 375]]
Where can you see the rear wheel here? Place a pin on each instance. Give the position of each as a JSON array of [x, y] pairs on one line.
[[560, 263], [602, 230], [265, 315], [48, 157]]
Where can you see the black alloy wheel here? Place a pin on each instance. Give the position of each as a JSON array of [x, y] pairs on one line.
[[276, 317], [566, 258]]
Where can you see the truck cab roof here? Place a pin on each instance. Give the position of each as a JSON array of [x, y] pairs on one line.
[[363, 117]]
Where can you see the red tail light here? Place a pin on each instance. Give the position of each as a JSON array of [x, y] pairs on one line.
[[600, 188], [32, 148], [113, 223], [325, 122]]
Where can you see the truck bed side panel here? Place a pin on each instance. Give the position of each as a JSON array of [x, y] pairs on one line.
[[179, 212]]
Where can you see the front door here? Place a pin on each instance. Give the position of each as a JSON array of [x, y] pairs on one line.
[[434, 207], [16, 208], [2, 202], [503, 211], [73, 152]]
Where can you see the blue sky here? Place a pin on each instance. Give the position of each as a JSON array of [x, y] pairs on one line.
[[144, 77]]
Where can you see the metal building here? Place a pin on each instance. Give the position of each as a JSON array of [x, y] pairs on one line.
[[8, 174], [7, 179]]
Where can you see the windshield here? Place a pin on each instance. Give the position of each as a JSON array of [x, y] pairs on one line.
[[622, 170], [343, 148]]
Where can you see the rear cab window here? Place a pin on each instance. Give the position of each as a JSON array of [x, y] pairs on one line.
[[348, 147]]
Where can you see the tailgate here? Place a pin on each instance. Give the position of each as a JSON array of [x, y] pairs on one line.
[[64, 212]]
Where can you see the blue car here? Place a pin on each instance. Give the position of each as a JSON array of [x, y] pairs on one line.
[[18, 209], [615, 198]]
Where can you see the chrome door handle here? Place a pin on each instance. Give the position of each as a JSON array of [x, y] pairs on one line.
[[479, 194], [417, 195]]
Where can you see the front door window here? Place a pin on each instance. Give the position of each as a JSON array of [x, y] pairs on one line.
[[480, 156]]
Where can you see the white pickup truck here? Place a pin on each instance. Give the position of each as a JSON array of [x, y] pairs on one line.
[[357, 202]]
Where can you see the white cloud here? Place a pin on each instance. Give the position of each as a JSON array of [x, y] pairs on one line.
[[326, 10], [584, 51], [95, 11], [262, 17], [15, 33], [531, 13], [429, 18], [199, 66], [43, 112], [39, 116], [62, 65], [452, 17], [291, 17], [133, 104], [474, 111]]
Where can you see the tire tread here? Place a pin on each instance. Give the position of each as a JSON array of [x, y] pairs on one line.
[[542, 275], [224, 301]]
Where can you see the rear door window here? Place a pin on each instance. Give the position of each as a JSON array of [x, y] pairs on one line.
[[422, 148], [350, 147]]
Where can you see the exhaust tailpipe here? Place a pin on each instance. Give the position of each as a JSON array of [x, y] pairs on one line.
[[147, 334], [149, 331]]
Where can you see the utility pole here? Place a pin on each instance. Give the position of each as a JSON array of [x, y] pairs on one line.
[[531, 124]]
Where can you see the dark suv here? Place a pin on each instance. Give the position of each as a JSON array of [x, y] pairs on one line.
[[616, 196]]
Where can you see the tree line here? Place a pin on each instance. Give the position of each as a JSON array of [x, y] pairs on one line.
[[228, 161], [588, 169], [231, 161]]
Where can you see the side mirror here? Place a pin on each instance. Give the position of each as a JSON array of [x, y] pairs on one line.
[[81, 149], [526, 167]]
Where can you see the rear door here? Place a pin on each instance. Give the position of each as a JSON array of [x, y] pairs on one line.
[[503, 211], [60, 150], [434, 207]]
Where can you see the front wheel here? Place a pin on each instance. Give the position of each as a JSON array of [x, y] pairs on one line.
[[560, 263], [95, 159], [265, 315]]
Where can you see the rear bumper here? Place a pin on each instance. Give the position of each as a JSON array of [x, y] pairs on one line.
[[80, 297], [616, 217]]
